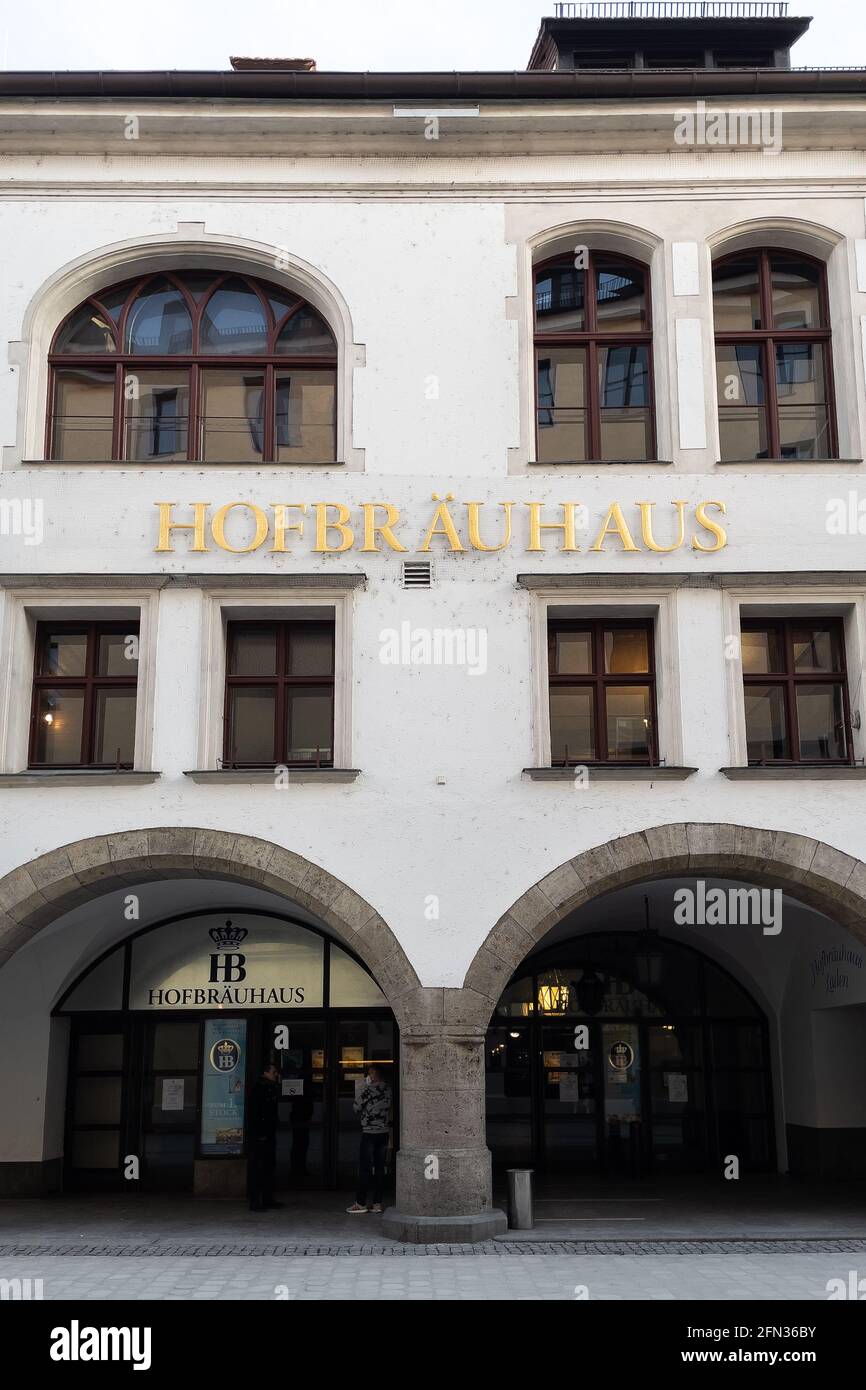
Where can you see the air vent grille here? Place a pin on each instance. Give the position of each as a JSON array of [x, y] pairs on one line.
[[417, 574]]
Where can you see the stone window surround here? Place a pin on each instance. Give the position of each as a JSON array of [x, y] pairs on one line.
[[778, 601], [675, 299], [657, 604], [221, 606], [190, 246], [22, 610]]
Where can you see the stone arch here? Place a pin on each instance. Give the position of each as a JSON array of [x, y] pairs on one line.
[[40, 891], [190, 247], [821, 876]]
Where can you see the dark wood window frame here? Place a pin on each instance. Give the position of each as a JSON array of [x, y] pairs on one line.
[[767, 337], [270, 364], [599, 680], [90, 682], [593, 338], [789, 679], [282, 682]]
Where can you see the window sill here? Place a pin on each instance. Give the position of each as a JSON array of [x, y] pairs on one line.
[[75, 777], [605, 772], [267, 775], [788, 463], [602, 463], [198, 464], [797, 772]]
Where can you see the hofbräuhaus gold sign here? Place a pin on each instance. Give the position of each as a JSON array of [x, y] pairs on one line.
[[372, 527]]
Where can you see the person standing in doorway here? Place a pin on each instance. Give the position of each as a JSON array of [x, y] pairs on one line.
[[262, 1103], [373, 1107]]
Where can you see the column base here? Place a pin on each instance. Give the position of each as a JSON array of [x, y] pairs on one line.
[[444, 1230]]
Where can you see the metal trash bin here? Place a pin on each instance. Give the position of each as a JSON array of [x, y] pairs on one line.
[[520, 1199]]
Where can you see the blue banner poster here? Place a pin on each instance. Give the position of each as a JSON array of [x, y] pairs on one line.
[[222, 1096]]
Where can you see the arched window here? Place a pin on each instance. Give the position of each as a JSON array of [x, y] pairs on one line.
[[199, 365], [773, 364], [593, 360]]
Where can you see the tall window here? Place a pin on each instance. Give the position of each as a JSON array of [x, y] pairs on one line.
[[602, 692], [280, 694], [84, 694], [796, 691], [773, 363], [199, 365], [593, 358]]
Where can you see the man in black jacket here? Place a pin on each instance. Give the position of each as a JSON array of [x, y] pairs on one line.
[[262, 1102]]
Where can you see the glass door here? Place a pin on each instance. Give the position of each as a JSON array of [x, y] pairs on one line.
[[569, 1095], [95, 1104], [300, 1052], [169, 1102], [359, 1043], [623, 1114]]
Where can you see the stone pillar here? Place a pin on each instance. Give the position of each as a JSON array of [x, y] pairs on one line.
[[444, 1187]]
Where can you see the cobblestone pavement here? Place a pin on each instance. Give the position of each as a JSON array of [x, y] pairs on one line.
[[710, 1277]]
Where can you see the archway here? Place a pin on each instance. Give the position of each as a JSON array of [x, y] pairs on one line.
[[40, 891], [821, 876]]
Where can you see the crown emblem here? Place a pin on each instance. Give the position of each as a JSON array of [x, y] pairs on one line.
[[227, 936]]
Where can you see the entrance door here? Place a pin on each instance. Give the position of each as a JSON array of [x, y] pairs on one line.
[[300, 1051], [570, 1096], [621, 1141], [169, 1101]]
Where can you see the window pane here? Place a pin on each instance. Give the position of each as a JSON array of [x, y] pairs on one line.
[[561, 404], [624, 402], [251, 725], [817, 648], [311, 651], [232, 408], [86, 331], [64, 654], [736, 295], [629, 721], [174, 1046], [158, 322], [626, 650], [762, 650], [97, 1100], [114, 731], [96, 1148], [821, 721], [742, 416], [766, 723], [305, 333], [59, 715], [253, 652], [83, 414], [796, 297], [306, 405], [311, 725], [559, 300], [573, 653], [234, 321], [620, 297], [801, 392], [572, 723], [118, 653], [99, 1052], [157, 414]]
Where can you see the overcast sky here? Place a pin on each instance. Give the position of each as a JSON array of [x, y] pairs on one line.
[[342, 35]]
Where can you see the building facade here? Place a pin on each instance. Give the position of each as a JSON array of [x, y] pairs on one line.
[[434, 615]]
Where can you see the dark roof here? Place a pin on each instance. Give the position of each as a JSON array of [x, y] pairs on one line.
[[282, 85]]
